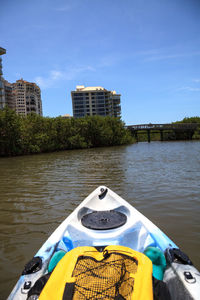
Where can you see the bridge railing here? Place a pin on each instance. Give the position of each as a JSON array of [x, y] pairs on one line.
[[163, 126]]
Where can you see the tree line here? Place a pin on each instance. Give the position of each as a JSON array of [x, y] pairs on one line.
[[190, 120], [21, 135]]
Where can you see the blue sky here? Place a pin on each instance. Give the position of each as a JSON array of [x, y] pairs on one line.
[[146, 50]]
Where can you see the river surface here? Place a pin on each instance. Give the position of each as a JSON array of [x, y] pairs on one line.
[[161, 179]]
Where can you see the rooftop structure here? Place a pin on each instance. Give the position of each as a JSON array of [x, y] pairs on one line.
[[90, 101], [66, 116]]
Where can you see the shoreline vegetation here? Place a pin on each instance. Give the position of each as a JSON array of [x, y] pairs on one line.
[[35, 134]]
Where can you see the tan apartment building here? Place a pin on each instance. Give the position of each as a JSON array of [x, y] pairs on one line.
[[23, 96], [90, 101]]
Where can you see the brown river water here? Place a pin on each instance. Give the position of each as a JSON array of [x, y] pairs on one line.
[[161, 179]]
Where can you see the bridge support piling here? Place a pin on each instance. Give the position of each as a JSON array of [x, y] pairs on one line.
[[148, 135], [190, 134], [161, 135], [136, 136]]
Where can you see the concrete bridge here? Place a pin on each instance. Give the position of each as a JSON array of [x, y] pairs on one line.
[[189, 128]]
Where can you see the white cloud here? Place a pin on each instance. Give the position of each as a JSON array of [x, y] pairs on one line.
[[189, 89], [41, 82], [55, 76], [194, 87], [166, 53], [160, 56], [109, 60], [196, 80]]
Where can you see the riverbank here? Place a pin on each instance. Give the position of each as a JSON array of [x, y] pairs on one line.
[[35, 134]]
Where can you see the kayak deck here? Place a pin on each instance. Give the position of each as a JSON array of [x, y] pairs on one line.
[[137, 232], [134, 231]]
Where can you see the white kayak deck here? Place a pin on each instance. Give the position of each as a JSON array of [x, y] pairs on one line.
[[137, 233]]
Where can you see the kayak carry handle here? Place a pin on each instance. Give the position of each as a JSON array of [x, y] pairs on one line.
[[103, 193]]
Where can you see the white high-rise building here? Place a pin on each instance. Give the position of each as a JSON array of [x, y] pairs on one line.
[[2, 93], [90, 101]]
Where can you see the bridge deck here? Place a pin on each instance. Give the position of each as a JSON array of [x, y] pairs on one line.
[[171, 126]]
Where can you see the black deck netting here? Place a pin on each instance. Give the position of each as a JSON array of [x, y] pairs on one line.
[[106, 279]]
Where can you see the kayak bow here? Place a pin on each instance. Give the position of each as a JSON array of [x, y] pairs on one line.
[[103, 219]]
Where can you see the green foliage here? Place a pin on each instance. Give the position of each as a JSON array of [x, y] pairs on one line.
[[35, 134], [10, 132], [196, 133], [190, 120]]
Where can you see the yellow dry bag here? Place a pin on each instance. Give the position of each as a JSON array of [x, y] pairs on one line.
[[115, 273]]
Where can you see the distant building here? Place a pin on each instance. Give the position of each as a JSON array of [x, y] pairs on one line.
[[2, 94], [27, 97], [23, 96], [9, 96], [90, 101]]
